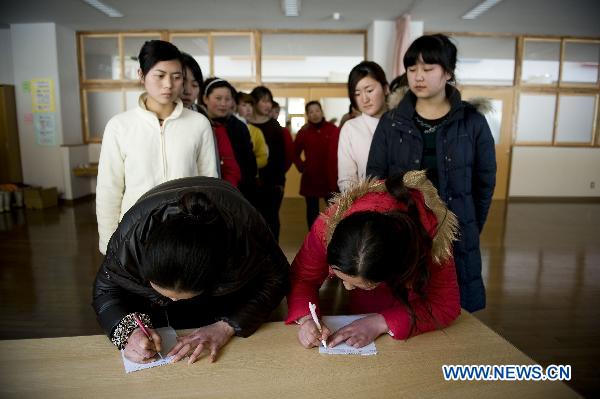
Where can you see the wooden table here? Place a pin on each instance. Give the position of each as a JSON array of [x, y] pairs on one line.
[[271, 364]]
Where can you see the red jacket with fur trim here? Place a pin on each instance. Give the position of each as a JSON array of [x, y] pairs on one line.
[[310, 269]]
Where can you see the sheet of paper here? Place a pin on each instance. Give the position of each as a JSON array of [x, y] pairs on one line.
[[335, 323], [168, 339]]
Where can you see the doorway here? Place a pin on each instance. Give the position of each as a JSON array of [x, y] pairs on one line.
[[334, 101]]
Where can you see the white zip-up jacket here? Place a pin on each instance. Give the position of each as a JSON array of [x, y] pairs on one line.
[[138, 154], [353, 150]]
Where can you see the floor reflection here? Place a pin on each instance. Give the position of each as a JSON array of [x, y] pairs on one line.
[[541, 265]]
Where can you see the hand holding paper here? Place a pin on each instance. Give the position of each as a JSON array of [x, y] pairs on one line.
[[348, 326], [212, 338], [360, 332]]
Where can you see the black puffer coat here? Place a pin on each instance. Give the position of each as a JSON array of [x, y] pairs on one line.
[[466, 164], [252, 284]]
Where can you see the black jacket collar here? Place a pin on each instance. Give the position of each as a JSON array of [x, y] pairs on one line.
[[406, 109]]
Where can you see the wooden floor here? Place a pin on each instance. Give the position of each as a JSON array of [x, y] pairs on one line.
[[541, 264]]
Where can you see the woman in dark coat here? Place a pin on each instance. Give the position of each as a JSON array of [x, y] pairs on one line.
[[191, 253], [218, 97], [433, 129]]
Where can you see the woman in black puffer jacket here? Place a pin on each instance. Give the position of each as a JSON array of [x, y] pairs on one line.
[[433, 129], [190, 253]]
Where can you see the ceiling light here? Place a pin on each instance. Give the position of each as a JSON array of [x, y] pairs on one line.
[[480, 9], [336, 16], [100, 6], [291, 8]]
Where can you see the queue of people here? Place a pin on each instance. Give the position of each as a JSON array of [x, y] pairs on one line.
[[190, 185]]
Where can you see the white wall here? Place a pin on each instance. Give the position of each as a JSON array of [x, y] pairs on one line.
[[555, 172], [69, 85], [381, 43], [34, 57], [47, 51], [380, 48], [6, 66]]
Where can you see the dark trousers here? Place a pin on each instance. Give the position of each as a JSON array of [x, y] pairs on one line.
[[269, 203], [312, 208]]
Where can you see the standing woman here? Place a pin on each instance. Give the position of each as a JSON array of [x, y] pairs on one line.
[[271, 178], [218, 97], [156, 142], [318, 141], [433, 129], [192, 83], [367, 89], [227, 166]]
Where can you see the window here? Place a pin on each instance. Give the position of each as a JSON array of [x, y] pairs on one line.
[[580, 64], [541, 62], [292, 57], [535, 123], [234, 57], [101, 58], [485, 60], [197, 46], [576, 117]]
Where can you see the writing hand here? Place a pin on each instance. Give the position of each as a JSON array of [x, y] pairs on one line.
[[212, 337], [140, 349], [360, 332], [309, 335]]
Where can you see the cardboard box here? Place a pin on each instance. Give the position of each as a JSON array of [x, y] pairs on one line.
[[40, 198]]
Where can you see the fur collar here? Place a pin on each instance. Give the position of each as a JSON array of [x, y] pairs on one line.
[[447, 228]]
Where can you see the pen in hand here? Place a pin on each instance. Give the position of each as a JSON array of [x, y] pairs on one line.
[[146, 333], [312, 307]]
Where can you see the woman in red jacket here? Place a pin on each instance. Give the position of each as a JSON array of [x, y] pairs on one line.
[[391, 245], [318, 140]]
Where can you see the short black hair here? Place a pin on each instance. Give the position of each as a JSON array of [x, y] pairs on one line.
[[433, 49], [155, 51], [214, 83], [260, 92], [365, 68], [242, 97], [314, 102]]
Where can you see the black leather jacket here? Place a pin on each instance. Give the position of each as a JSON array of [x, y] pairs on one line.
[[252, 284]]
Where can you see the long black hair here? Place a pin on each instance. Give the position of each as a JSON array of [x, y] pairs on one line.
[[363, 69], [388, 247], [186, 251], [190, 62]]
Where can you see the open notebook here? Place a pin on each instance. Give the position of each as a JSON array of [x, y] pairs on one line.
[[335, 323]]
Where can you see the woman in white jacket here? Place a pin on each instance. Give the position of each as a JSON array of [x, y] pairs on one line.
[[156, 142], [367, 89]]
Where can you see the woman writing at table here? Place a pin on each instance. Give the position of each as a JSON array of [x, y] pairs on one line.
[[390, 244], [191, 253]]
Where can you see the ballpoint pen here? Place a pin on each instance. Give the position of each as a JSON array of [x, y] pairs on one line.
[[312, 307], [146, 333]]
